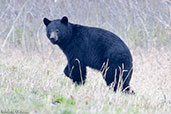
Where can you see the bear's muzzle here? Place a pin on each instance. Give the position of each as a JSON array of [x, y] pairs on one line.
[[53, 37]]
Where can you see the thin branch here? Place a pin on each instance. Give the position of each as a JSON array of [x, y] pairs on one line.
[[9, 33]]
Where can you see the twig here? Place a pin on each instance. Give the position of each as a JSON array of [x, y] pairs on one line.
[[80, 70], [9, 33]]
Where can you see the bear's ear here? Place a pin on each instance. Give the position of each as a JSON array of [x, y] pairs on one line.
[[46, 21], [64, 20]]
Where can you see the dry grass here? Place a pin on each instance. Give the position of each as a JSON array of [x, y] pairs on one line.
[[32, 84]]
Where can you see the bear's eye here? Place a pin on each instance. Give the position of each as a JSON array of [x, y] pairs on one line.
[[57, 30]]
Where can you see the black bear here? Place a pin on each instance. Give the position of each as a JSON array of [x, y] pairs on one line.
[[93, 47]]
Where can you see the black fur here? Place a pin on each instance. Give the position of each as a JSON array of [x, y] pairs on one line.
[[93, 47]]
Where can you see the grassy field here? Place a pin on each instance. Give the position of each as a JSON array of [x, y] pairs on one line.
[[36, 84]]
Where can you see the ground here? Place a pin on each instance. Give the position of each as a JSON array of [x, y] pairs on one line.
[[38, 83]]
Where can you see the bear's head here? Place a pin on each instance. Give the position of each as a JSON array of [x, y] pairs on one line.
[[58, 30]]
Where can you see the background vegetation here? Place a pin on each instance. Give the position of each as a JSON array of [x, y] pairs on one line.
[[31, 68]]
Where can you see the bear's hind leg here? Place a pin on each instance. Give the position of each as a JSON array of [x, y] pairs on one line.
[[126, 80], [118, 80], [111, 78]]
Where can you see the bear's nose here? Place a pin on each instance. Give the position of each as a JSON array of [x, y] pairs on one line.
[[52, 38]]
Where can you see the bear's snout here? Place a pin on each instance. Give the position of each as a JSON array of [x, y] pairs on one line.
[[53, 37]]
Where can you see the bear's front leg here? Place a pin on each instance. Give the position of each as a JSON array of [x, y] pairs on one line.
[[78, 72], [67, 71]]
